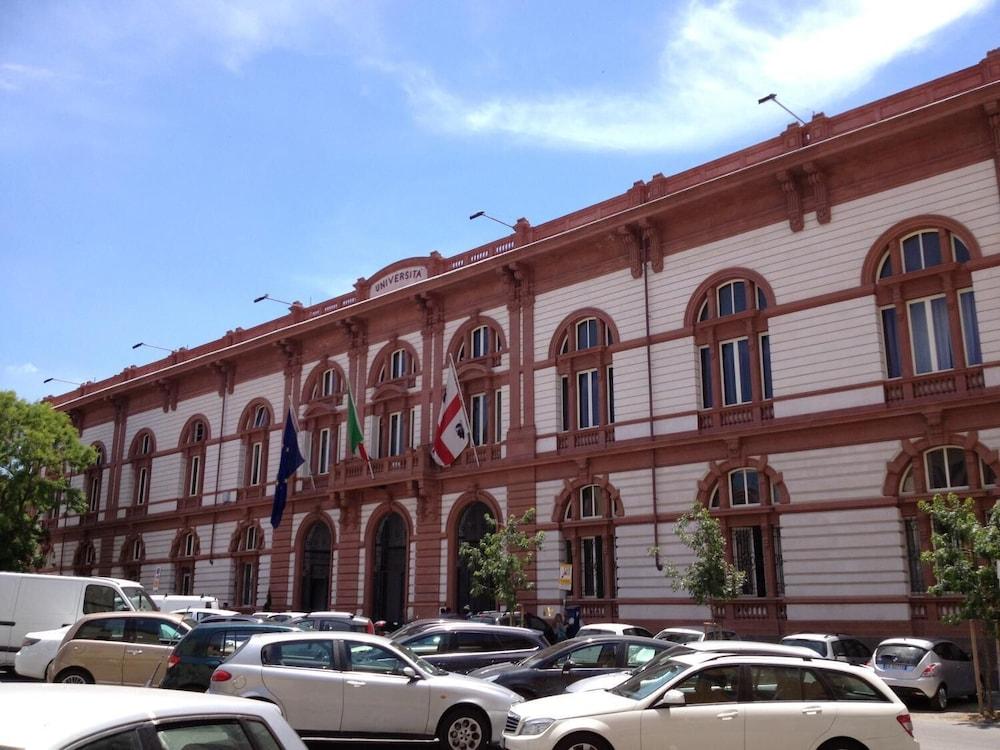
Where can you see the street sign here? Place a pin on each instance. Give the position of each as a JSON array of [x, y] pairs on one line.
[[565, 576]]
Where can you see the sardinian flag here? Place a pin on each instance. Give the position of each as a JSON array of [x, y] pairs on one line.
[[452, 433]]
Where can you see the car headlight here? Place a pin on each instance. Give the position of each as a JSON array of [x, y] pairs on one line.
[[29, 642], [536, 726]]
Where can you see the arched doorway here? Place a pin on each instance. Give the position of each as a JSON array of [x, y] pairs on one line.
[[390, 569], [315, 570], [472, 525]]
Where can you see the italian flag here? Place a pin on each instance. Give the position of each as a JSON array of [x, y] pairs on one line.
[[355, 435]]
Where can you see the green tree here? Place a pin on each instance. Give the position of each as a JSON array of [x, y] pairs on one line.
[[39, 451], [499, 559], [710, 578], [964, 555]]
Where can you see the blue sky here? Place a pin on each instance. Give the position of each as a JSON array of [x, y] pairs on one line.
[[162, 163]]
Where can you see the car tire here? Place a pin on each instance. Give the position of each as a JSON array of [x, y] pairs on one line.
[[75, 677], [464, 728], [583, 741], [939, 702]]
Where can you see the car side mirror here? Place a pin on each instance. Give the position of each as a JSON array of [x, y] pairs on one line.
[[568, 665], [410, 673], [672, 698]]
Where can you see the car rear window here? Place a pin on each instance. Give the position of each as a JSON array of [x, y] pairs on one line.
[[219, 734], [780, 683], [679, 637], [110, 629], [818, 646], [304, 654], [849, 687], [510, 642], [898, 656]]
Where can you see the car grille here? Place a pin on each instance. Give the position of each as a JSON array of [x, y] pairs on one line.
[[512, 721]]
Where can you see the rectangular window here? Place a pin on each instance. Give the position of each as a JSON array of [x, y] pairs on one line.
[[328, 383], [480, 341], [592, 551], [586, 333], [395, 434], [189, 545], [185, 582], [765, 364], [611, 394], [95, 493], [931, 336], [590, 502], [890, 342], [247, 598], [779, 561], [255, 459], [194, 481], [478, 407], [970, 328], [946, 469], [748, 555], [323, 460], [744, 487], [587, 399], [912, 531], [378, 450], [414, 441], [497, 421], [732, 298], [398, 363], [736, 387], [705, 358], [563, 403], [142, 487]]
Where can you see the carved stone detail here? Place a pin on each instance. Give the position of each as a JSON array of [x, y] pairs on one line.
[[357, 331], [168, 389], [652, 238], [793, 199], [432, 309], [226, 372], [821, 196]]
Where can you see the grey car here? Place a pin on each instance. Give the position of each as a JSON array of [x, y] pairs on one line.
[[339, 685], [462, 646], [934, 669]]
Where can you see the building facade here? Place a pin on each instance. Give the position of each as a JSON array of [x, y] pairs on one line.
[[803, 336]]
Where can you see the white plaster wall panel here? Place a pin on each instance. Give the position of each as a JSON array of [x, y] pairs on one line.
[[149, 419], [682, 614], [832, 346], [842, 473], [828, 257], [504, 412], [631, 385], [633, 486], [675, 377], [223, 536], [546, 494], [986, 285], [677, 488], [870, 559], [165, 479], [637, 575], [848, 612], [830, 401], [157, 546], [547, 561], [546, 400], [269, 387], [617, 294], [103, 433], [230, 473]]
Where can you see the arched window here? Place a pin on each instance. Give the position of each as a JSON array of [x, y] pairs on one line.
[[476, 349], [141, 458], [183, 552], [744, 497], [255, 433], [245, 547], [389, 564], [733, 348], [314, 581], [322, 395], [394, 405], [84, 559], [585, 379], [132, 556], [587, 527], [94, 479], [469, 523], [927, 308], [194, 440]]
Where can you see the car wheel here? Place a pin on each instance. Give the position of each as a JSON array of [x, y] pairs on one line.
[[464, 729], [75, 677], [583, 742], [940, 700]]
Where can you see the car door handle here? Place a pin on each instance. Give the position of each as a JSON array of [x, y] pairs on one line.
[[812, 710], [356, 683], [133, 651], [727, 715]]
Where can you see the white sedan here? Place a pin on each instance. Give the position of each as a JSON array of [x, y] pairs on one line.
[[37, 651], [60, 717]]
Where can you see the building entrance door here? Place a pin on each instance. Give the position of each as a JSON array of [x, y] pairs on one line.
[[315, 569], [390, 570], [472, 526]]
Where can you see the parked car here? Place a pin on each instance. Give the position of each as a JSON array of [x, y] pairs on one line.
[[235, 617], [524, 620], [839, 647], [279, 616], [461, 645], [699, 700], [190, 665], [118, 648], [333, 621], [610, 680], [173, 602], [414, 625], [343, 685], [615, 628], [552, 670], [37, 652], [66, 717], [200, 614], [934, 669], [694, 634]]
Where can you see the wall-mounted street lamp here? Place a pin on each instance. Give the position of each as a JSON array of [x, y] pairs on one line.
[[152, 346], [487, 216], [774, 98], [60, 380], [263, 297]]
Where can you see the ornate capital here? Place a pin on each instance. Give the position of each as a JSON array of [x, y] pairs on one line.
[[168, 390], [432, 309], [629, 243], [652, 238], [793, 199], [517, 283], [357, 331], [226, 373], [821, 196]]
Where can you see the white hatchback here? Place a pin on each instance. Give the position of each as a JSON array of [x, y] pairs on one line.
[[67, 717], [700, 700]]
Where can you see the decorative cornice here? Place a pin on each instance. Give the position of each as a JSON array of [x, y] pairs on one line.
[[225, 370], [821, 196], [652, 238], [793, 199], [169, 388]]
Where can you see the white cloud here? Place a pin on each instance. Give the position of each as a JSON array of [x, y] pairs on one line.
[[21, 369], [14, 76], [717, 61]]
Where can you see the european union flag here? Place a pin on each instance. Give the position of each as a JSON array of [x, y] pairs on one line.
[[291, 459]]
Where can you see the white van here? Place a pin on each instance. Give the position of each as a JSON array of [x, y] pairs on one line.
[[174, 602], [32, 601]]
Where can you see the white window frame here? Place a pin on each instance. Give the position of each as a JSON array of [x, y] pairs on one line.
[[256, 455], [250, 539], [947, 468], [932, 334], [95, 492], [136, 550], [479, 416], [144, 444], [923, 260], [745, 473], [247, 593], [397, 364], [586, 341], [737, 374], [564, 416], [591, 501], [592, 574], [189, 545], [730, 285], [584, 399], [395, 445], [260, 417], [194, 480], [480, 341], [328, 382], [323, 459], [964, 324], [497, 412], [142, 486], [414, 441], [198, 432]]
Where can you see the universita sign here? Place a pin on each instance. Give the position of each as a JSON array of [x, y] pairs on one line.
[[400, 274]]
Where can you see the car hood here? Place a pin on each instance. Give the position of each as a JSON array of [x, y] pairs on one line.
[[492, 670], [598, 682], [572, 705], [463, 686]]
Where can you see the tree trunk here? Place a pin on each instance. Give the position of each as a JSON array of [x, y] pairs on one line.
[[975, 666]]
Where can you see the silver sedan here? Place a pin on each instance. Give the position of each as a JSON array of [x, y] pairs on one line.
[[341, 685]]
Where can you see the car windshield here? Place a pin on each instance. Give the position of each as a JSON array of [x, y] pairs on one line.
[[818, 646], [679, 637], [898, 656], [649, 679], [426, 666], [303, 623], [140, 599], [540, 656]]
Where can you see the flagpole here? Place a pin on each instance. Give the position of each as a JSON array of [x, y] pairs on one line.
[[465, 412], [354, 404]]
